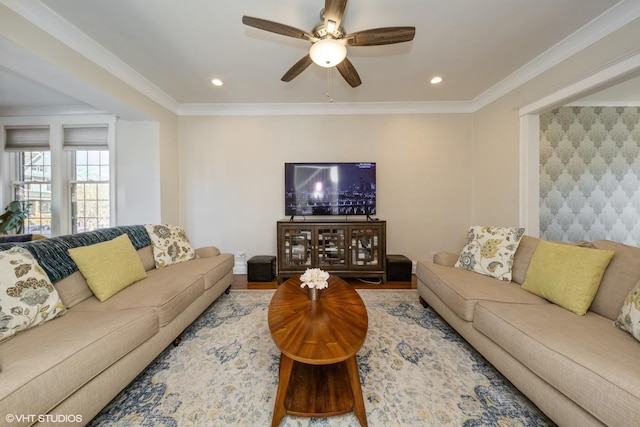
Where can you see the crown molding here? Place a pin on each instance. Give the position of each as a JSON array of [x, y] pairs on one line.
[[604, 104], [329, 108], [600, 27], [61, 29], [50, 110], [612, 73]]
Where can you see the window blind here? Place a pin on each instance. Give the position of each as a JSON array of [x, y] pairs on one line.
[[26, 138], [94, 137]]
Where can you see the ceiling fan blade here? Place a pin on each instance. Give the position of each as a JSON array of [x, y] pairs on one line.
[[275, 27], [380, 36], [297, 68], [334, 11], [348, 71]]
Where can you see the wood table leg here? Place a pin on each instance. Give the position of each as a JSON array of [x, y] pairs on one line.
[[354, 380], [286, 364]]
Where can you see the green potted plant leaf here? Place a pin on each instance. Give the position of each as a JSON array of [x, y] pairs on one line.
[[13, 217]]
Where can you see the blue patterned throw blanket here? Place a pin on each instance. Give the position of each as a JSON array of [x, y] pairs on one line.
[[53, 256]]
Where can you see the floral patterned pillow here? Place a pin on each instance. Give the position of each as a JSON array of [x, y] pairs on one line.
[[27, 297], [490, 250], [629, 318], [170, 244]]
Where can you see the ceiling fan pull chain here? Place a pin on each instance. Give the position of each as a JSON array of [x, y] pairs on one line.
[[329, 84]]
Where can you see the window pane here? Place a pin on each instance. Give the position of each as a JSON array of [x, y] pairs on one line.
[[93, 157], [34, 188], [82, 173], [81, 157], [90, 193], [103, 191]]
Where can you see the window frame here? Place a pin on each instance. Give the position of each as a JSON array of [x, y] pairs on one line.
[[62, 164], [75, 181]]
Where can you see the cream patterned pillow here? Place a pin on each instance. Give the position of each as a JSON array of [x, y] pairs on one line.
[[629, 318], [170, 244], [490, 250], [27, 297]]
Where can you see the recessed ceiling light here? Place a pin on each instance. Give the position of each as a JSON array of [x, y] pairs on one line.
[[436, 80], [217, 82]]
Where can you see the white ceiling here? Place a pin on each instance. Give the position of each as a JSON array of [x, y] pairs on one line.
[[175, 47]]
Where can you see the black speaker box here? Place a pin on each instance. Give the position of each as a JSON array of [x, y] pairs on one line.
[[398, 268], [261, 268]]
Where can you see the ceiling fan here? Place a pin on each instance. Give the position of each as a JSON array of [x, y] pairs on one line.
[[330, 40]]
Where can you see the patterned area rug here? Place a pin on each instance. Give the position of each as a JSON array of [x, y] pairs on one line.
[[415, 371]]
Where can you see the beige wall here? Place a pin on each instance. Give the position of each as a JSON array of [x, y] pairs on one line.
[[496, 151], [232, 175], [65, 60], [222, 177]]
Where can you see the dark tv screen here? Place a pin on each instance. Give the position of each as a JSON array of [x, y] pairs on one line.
[[330, 188]]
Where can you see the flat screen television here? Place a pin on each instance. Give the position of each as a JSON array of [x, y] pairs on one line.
[[330, 188]]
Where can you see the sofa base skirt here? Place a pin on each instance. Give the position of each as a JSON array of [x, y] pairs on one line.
[[549, 400], [97, 393]]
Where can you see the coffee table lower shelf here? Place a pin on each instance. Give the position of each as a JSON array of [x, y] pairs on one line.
[[318, 390]]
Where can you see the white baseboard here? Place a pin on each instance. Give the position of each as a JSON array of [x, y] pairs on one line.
[[239, 269]]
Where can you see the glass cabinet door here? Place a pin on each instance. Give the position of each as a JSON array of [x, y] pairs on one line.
[[365, 250], [331, 247], [297, 247]]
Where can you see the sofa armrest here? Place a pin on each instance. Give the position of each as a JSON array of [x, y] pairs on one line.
[[445, 258], [207, 252]]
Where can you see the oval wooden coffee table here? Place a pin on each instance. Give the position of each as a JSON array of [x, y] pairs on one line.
[[318, 343]]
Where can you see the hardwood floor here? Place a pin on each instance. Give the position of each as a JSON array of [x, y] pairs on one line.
[[240, 282]]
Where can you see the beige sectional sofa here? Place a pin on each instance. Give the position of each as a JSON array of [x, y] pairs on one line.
[[579, 370], [76, 364]]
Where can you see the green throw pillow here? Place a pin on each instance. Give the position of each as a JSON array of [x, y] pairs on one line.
[[109, 267], [566, 275]]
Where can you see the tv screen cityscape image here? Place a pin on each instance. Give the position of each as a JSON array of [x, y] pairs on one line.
[[330, 189]]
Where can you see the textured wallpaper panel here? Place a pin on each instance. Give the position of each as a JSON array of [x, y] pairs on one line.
[[590, 174]]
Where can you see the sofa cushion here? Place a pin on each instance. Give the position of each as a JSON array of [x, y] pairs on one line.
[[170, 244], [629, 318], [146, 256], [585, 357], [27, 297], [73, 289], [490, 250], [212, 268], [621, 276], [445, 258], [461, 290], [522, 258], [566, 275], [49, 363], [169, 292], [109, 266]]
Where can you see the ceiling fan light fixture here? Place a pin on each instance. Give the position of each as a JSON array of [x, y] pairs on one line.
[[328, 52]]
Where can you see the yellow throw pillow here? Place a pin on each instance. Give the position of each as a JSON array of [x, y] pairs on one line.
[[109, 267], [566, 275]]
